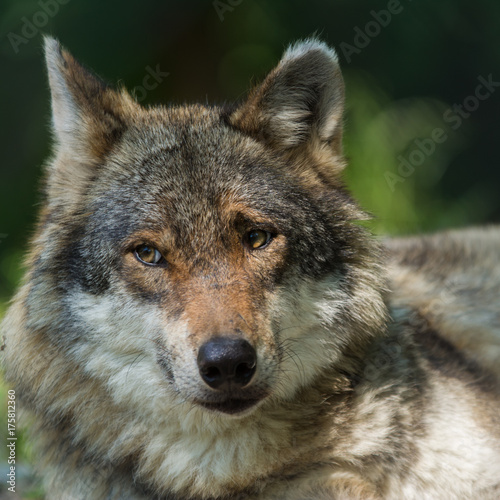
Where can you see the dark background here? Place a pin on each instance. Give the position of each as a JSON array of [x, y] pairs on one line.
[[400, 86]]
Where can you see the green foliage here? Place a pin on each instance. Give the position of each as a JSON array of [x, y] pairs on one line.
[[395, 166]]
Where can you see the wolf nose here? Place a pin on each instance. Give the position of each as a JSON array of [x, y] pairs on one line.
[[225, 361]]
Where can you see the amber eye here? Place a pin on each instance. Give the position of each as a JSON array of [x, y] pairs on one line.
[[257, 239], [148, 255]]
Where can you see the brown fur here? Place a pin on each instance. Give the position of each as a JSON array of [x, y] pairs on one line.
[[376, 365]]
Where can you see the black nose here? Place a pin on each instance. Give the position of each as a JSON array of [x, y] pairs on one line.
[[226, 361]]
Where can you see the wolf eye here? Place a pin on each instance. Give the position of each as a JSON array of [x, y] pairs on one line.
[[257, 239], [148, 255]]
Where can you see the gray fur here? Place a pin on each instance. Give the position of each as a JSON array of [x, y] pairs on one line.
[[368, 385]]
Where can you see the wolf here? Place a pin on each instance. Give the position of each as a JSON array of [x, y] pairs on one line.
[[205, 315]]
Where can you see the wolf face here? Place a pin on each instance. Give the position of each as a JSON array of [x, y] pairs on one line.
[[198, 241], [197, 264]]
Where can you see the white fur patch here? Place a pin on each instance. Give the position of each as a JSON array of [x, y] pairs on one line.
[[310, 344], [301, 48]]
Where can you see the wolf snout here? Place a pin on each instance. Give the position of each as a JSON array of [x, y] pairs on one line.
[[227, 362]]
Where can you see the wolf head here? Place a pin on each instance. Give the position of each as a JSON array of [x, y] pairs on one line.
[[199, 255], [196, 271]]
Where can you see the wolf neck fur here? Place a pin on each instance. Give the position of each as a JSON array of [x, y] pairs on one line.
[[194, 449]]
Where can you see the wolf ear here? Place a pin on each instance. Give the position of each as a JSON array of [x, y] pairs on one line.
[[87, 115], [299, 102]]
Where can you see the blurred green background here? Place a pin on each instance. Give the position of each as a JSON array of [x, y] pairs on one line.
[[411, 68]]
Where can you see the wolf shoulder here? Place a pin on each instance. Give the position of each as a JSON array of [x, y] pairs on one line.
[[451, 281]]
